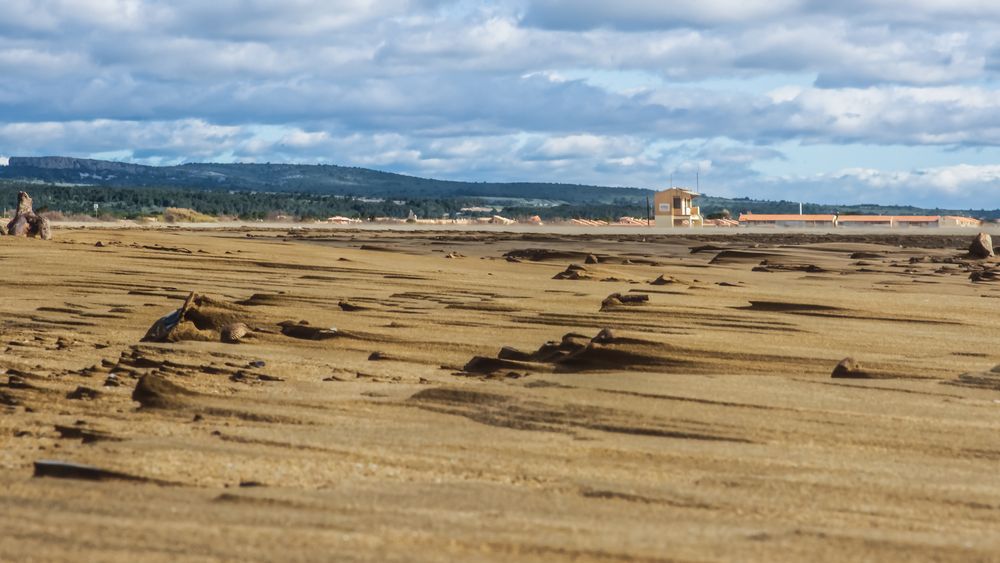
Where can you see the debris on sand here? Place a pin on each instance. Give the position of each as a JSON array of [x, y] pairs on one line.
[[770, 266], [741, 257], [867, 256], [201, 318], [83, 393], [616, 300], [573, 272], [303, 331], [543, 254], [849, 368], [350, 307], [665, 280], [26, 223], [982, 247], [980, 380], [985, 275], [576, 352]]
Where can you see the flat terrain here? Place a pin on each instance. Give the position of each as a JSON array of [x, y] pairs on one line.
[[705, 426]]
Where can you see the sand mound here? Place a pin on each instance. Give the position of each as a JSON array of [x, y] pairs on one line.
[[201, 318], [156, 392]]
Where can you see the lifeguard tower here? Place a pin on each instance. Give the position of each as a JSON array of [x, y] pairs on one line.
[[674, 207]]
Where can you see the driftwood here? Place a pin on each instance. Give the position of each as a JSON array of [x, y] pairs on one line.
[[26, 223]]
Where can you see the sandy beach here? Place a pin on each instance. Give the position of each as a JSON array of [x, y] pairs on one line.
[[499, 395]]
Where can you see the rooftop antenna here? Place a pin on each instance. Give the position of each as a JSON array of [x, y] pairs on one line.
[[697, 179], [671, 179]]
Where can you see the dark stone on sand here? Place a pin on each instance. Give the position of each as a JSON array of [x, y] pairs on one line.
[[981, 247], [849, 368], [591, 259], [83, 393], [69, 470], [17, 382], [99, 244], [303, 331], [664, 280], [572, 272], [484, 365], [509, 353], [86, 434], [350, 307], [867, 256], [257, 364], [377, 356], [606, 336]]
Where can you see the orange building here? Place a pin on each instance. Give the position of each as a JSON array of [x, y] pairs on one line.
[[675, 207]]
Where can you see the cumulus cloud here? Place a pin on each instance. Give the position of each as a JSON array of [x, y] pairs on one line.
[[514, 89]]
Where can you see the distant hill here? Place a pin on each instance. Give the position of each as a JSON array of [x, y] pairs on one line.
[[298, 178], [301, 187]]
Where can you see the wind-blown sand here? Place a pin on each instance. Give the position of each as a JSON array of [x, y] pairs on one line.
[[706, 426]]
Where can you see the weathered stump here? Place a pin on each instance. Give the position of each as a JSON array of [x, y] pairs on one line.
[[26, 223]]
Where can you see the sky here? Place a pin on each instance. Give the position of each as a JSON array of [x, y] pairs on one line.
[[879, 101]]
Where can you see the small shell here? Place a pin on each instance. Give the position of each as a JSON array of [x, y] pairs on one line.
[[234, 332]]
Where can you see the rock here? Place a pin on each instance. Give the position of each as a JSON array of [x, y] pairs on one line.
[[350, 307], [605, 336], [572, 272], [303, 331], [981, 247], [112, 381], [664, 280], [591, 259], [849, 368], [99, 244]]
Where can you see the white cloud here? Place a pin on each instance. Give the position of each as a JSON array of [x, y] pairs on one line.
[[622, 93]]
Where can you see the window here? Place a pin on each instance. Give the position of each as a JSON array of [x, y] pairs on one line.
[[665, 207], [677, 203]]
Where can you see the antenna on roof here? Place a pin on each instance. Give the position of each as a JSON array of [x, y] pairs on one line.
[[697, 179]]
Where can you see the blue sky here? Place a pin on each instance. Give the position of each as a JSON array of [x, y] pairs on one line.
[[886, 101]]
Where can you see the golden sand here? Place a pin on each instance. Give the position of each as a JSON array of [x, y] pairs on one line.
[[706, 428]]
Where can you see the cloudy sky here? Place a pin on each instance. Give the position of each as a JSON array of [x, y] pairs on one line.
[[892, 101]]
